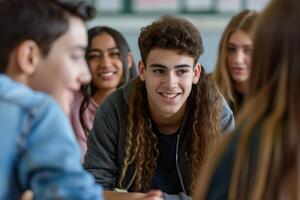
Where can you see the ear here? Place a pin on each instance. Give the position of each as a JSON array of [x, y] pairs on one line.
[[27, 55], [142, 70], [197, 73], [130, 60]]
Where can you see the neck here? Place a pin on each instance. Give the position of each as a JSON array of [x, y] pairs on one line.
[[168, 124], [241, 87], [16, 74]]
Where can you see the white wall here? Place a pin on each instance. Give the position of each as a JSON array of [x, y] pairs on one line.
[[210, 27]]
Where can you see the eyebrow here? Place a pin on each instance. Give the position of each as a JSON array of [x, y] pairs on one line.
[[98, 50], [81, 47], [165, 67], [232, 44]]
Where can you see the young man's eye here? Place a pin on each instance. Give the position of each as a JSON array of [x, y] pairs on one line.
[[182, 71], [158, 71], [76, 57]]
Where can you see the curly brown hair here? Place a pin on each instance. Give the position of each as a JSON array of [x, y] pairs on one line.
[[204, 105], [170, 32]]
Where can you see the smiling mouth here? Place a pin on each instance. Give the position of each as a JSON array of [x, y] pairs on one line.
[[238, 69], [169, 95], [106, 74]]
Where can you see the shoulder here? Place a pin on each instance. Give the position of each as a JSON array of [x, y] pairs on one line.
[[31, 113], [118, 100], [227, 117], [112, 114], [27, 100]]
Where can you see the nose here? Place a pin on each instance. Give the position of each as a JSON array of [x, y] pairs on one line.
[[105, 60], [239, 57], [84, 75], [170, 80]]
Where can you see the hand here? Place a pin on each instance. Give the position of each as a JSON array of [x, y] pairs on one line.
[[27, 195], [151, 195]]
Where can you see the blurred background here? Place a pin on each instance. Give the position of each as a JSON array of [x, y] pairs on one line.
[[209, 16]]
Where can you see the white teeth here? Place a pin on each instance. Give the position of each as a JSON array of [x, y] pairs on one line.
[[169, 95], [106, 74]]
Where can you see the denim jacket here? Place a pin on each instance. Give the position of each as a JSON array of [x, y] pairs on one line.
[[38, 150]]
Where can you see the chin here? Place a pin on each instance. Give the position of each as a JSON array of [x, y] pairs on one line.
[[169, 112], [240, 79]]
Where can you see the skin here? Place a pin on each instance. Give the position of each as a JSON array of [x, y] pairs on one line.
[[168, 83], [151, 195], [239, 58], [59, 74], [105, 65], [63, 70]]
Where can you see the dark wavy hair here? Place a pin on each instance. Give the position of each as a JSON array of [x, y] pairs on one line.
[[173, 33], [40, 21], [141, 143]]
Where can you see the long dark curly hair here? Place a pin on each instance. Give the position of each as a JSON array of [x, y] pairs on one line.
[[205, 103]]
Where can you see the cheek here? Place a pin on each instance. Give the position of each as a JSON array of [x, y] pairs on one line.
[[92, 65], [118, 64], [229, 61], [151, 85], [248, 60], [188, 86]]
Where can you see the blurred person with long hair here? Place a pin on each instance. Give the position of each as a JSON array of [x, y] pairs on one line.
[[234, 58], [260, 160]]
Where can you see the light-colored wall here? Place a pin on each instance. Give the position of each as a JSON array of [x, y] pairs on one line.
[[210, 27]]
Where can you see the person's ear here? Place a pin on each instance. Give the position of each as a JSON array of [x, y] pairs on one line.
[[197, 73], [142, 69], [28, 55], [130, 60]]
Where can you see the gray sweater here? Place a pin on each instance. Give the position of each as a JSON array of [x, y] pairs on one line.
[[106, 141]]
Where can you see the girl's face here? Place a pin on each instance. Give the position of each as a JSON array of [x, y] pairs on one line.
[[239, 48], [104, 60]]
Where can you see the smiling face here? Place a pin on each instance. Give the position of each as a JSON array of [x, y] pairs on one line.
[[168, 77], [105, 62], [239, 56], [64, 69]]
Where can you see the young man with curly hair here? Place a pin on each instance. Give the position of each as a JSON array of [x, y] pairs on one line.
[[154, 133]]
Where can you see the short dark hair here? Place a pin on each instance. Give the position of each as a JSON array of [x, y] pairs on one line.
[[170, 32], [41, 21]]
